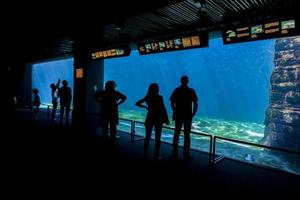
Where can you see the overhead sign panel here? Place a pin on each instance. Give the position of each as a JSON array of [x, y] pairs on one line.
[[111, 52], [174, 43], [266, 30]]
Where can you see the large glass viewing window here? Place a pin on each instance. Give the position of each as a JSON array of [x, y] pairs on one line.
[[232, 83]]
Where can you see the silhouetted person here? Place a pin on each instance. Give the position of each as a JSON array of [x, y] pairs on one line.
[[156, 116], [54, 95], [65, 95], [182, 99], [109, 100], [36, 102]]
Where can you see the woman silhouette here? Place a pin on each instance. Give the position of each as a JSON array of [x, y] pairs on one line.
[[156, 116], [109, 99]]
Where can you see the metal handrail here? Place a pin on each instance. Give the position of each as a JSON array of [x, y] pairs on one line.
[[132, 128], [48, 108], [170, 128], [216, 160], [212, 145], [132, 133], [257, 145], [124, 119]]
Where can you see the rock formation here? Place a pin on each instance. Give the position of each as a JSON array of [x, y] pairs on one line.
[[283, 114]]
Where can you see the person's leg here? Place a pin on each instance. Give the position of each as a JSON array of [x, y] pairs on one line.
[[113, 130], [34, 111], [158, 130], [62, 110], [187, 137], [178, 125], [53, 111], [175, 154], [37, 109], [67, 114], [148, 127], [105, 129]]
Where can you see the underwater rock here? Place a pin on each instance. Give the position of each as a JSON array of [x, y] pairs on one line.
[[283, 114]]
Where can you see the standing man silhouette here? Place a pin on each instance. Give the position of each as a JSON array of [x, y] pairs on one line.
[[184, 103], [65, 95]]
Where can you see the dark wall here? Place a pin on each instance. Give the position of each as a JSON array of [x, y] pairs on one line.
[[23, 92], [19, 83], [85, 110], [95, 76]]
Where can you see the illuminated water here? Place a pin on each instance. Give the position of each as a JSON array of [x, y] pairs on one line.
[[232, 83], [244, 131], [45, 73]]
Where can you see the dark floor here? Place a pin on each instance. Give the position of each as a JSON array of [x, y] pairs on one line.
[[51, 160]]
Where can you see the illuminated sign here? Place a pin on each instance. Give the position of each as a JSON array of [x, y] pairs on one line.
[[111, 53], [272, 29], [79, 73], [175, 43]]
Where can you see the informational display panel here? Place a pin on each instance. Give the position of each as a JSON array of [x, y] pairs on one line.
[[174, 43], [111, 52], [266, 30]]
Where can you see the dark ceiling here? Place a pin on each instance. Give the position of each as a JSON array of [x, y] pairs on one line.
[[43, 30]]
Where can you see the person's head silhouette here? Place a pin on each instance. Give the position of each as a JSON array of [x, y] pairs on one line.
[[35, 91], [65, 83], [52, 86], [110, 85], [184, 80], [153, 90]]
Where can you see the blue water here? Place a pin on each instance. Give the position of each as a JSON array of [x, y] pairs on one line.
[[43, 74], [232, 81]]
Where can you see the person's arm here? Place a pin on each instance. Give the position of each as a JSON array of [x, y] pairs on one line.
[[38, 100], [164, 112], [57, 84], [195, 108], [140, 102], [122, 98], [172, 101], [173, 105], [195, 101], [59, 93]]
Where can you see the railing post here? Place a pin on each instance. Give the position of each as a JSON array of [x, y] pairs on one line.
[[213, 150], [132, 131], [210, 148]]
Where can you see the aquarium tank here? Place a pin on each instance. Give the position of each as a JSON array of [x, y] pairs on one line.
[[248, 92], [235, 86], [47, 72]]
